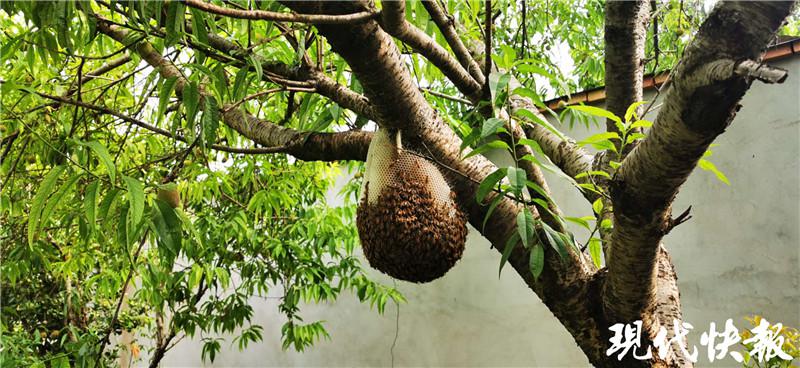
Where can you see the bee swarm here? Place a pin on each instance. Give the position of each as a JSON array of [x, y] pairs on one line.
[[411, 229]]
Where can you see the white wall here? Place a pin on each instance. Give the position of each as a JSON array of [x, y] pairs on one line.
[[738, 255]]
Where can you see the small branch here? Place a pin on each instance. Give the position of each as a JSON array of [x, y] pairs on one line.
[[445, 96], [393, 21], [250, 97], [445, 25], [673, 222], [487, 48], [282, 17], [724, 69], [108, 333], [158, 130]]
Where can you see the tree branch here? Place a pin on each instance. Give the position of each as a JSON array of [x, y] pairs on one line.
[[323, 84], [394, 22], [698, 107], [625, 36], [445, 25], [361, 16], [303, 145]]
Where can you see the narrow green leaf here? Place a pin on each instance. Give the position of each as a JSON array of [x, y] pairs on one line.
[[709, 166], [168, 226], [210, 120], [191, 100], [57, 198], [509, 246], [135, 199], [642, 124], [525, 227], [90, 203], [174, 21], [495, 201], [105, 158], [555, 240], [596, 251], [535, 119], [631, 112], [537, 260], [517, 179], [163, 96], [490, 126], [596, 111], [581, 221], [39, 201], [488, 184], [257, 67], [493, 145]]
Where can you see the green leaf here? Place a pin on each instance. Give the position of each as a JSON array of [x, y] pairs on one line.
[[498, 82], [709, 166], [509, 246], [174, 21], [593, 173], [488, 184], [256, 66], [191, 100], [596, 251], [495, 201], [48, 183], [581, 221], [597, 206], [529, 93], [493, 145], [633, 136], [210, 120], [537, 260], [556, 241], [57, 198], [90, 203], [631, 112], [168, 226], [525, 227], [596, 111], [535, 119], [163, 96], [641, 124], [104, 156], [517, 179], [199, 25], [490, 126], [135, 199]]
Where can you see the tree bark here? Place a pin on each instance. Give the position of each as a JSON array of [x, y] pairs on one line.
[[697, 108]]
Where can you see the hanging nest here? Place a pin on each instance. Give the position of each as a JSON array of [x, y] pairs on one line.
[[408, 221]]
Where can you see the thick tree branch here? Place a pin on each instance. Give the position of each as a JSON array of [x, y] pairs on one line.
[[625, 36], [361, 16], [394, 22], [374, 59], [303, 145], [323, 84], [308, 146], [697, 108]]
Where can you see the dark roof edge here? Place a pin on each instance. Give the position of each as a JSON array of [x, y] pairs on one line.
[[778, 51]]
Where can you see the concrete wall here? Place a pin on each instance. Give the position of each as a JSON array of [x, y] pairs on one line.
[[738, 255]]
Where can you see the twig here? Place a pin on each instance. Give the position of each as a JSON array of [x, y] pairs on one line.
[[361, 16]]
